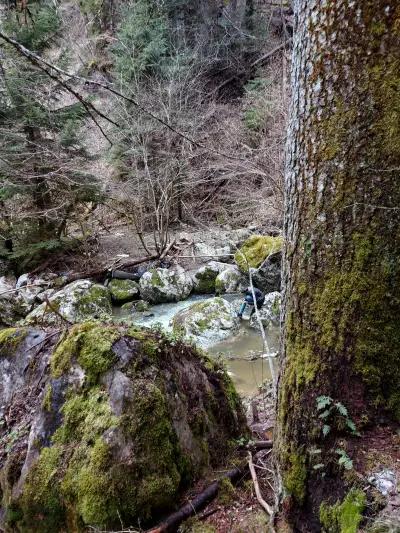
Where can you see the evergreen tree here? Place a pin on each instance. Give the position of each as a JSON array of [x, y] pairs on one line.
[[43, 183]]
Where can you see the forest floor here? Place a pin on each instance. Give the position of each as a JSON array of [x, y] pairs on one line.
[[236, 509]]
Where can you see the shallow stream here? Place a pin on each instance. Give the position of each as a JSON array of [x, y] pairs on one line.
[[241, 352]]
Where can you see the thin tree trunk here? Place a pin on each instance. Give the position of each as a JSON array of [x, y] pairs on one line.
[[341, 268]]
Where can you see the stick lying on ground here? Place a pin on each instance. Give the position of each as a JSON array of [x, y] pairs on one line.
[[172, 522], [267, 508]]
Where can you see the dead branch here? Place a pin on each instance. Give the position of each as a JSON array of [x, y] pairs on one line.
[[267, 508], [172, 522]]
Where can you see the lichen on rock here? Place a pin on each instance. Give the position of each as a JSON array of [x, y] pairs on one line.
[[79, 301], [206, 321], [230, 280], [161, 285], [204, 278]]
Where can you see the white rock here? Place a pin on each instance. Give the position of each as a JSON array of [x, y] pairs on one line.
[[204, 278], [206, 322], [230, 280], [385, 481], [270, 311], [161, 285], [79, 301]]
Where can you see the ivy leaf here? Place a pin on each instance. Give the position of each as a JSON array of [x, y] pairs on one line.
[[318, 466], [323, 401], [341, 408], [325, 430]]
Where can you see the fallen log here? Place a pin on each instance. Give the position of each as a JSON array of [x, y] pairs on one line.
[[99, 274], [173, 521]]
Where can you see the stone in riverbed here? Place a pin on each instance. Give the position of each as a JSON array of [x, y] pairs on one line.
[[140, 306], [77, 302], [123, 290], [230, 280], [268, 276], [204, 278], [255, 250], [270, 311], [206, 322], [162, 285]]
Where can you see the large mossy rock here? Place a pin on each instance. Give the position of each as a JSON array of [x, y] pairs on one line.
[[255, 250], [123, 290], [162, 285], [105, 425], [79, 301], [206, 322]]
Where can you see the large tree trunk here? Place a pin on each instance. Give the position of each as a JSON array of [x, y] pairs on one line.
[[342, 266]]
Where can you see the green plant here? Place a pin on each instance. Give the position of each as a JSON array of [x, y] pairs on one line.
[[344, 459], [334, 413], [142, 40]]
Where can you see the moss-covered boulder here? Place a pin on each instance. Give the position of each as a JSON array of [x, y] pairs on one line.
[[123, 290], [230, 280], [77, 302], [206, 322], [106, 424], [161, 285], [204, 278], [270, 311], [255, 250]]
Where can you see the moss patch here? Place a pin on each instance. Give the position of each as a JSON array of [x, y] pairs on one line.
[[344, 517], [205, 280], [295, 477], [255, 250], [123, 290], [91, 345], [10, 339]]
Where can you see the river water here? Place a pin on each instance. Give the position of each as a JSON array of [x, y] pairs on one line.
[[242, 352]]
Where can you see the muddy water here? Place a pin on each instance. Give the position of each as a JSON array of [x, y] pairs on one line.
[[241, 352], [243, 356]]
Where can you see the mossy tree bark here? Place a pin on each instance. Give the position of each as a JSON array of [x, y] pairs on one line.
[[342, 267]]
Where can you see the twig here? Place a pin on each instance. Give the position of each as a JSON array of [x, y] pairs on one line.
[[47, 302], [267, 508], [167, 249]]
